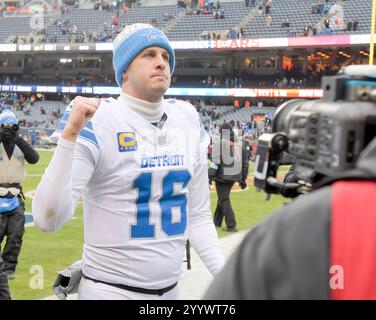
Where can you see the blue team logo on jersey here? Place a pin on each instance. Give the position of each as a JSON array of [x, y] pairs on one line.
[[127, 141]]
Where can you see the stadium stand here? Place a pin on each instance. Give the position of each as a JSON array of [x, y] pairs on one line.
[[84, 20], [97, 25], [36, 118], [185, 25], [14, 26], [190, 27], [299, 14]]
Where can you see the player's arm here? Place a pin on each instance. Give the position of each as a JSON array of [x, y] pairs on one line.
[[68, 173], [201, 229]]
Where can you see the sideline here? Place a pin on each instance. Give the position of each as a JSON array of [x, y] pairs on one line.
[[194, 283]]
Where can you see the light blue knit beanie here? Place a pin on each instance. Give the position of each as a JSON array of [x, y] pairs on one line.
[[134, 39], [8, 118]]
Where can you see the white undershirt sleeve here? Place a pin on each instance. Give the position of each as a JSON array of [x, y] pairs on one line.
[[60, 188], [201, 229]]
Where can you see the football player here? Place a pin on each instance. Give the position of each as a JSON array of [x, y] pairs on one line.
[[140, 163]]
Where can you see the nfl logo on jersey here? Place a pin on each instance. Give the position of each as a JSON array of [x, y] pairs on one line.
[[127, 141]]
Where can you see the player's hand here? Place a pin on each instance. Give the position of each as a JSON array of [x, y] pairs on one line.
[[83, 109], [243, 185]]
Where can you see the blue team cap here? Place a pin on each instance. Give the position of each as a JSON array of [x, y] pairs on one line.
[[8, 118]]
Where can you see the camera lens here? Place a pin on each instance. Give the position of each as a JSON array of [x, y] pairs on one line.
[[283, 112]]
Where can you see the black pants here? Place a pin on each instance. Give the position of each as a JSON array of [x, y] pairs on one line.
[[12, 225], [4, 288], [224, 208]]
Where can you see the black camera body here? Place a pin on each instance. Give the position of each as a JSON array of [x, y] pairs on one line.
[[8, 132], [13, 127], [325, 137]]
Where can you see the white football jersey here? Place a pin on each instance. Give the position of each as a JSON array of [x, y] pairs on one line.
[[136, 201]]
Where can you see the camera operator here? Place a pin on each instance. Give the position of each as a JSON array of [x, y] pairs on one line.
[[293, 254], [14, 151], [321, 246], [291, 175], [231, 159]]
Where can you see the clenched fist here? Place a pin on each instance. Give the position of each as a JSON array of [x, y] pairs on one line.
[[83, 109]]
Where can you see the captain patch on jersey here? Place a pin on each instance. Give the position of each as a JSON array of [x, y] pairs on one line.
[[127, 141]]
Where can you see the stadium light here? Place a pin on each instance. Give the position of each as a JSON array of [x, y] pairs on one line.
[[63, 60]]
